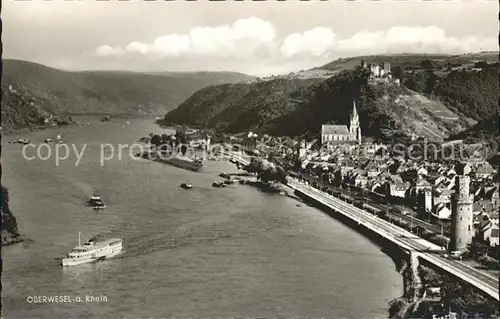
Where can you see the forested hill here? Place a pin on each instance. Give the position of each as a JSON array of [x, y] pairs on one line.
[[102, 91], [235, 107], [471, 92], [437, 98]]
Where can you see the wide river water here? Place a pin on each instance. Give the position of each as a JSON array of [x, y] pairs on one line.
[[205, 252]]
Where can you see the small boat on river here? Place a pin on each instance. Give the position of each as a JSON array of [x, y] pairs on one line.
[[186, 186], [96, 202], [218, 184]]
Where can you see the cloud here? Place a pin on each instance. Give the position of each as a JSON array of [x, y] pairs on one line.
[[251, 45], [315, 42], [106, 51], [241, 39], [431, 39]]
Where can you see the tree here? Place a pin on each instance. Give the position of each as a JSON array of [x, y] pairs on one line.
[[156, 140], [164, 138], [481, 65], [266, 171], [255, 166], [478, 250], [426, 64], [398, 72], [430, 81], [281, 174]]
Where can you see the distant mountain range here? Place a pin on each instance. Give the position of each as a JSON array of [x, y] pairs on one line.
[[439, 96], [50, 91]]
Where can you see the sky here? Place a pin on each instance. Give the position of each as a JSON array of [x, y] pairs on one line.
[[257, 38]]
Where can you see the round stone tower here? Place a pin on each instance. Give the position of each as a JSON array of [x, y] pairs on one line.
[[462, 227]]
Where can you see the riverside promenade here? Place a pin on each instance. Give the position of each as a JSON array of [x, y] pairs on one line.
[[416, 246]]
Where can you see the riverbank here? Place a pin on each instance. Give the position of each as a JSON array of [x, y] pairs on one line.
[[10, 239], [252, 180], [34, 128], [9, 230]]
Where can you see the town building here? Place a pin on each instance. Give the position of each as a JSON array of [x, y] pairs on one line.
[[339, 134], [488, 229], [462, 228], [442, 212]]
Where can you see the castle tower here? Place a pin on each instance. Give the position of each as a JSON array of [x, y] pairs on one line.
[[354, 129], [462, 227], [428, 199], [387, 68]]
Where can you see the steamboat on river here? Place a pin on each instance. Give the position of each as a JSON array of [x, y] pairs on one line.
[[92, 251]]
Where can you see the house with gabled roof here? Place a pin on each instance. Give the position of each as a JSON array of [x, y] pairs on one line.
[[451, 172], [484, 170], [442, 195], [442, 211], [398, 188], [422, 171], [489, 232], [492, 194]]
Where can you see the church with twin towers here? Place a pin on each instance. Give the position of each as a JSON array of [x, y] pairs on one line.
[[341, 134]]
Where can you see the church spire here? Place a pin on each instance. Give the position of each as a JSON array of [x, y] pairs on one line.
[[354, 111]]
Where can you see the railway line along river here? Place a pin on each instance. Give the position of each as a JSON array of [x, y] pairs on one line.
[[205, 252]]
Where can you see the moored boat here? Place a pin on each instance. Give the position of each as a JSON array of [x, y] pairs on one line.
[[183, 162], [225, 175], [186, 186], [218, 184], [96, 202], [92, 251], [175, 160]]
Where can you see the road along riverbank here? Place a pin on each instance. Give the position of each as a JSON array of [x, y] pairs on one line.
[[413, 298]]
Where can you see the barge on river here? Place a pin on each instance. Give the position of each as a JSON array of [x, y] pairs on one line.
[[176, 160]]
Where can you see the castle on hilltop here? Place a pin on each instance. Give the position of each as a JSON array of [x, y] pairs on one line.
[[380, 72], [340, 134]]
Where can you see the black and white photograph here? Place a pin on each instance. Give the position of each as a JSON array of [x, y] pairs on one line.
[[250, 159]]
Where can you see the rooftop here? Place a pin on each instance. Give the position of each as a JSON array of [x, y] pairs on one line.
[[462, 169], [334, 129]]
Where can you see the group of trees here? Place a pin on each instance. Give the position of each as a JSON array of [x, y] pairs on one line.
[[266, 171], [460, 297], [165, 142]]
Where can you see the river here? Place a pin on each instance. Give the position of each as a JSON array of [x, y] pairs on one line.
[[205, 252]]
